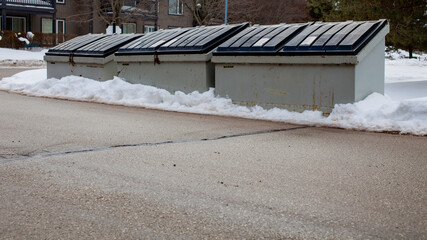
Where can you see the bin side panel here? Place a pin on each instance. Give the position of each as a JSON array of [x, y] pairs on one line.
[[370, 73], [110, 70], [172, 76], [94, 71], [292, 87], [58, 69]]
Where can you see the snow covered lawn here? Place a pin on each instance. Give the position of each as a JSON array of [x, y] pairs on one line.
[[403, 108], [22, 58]]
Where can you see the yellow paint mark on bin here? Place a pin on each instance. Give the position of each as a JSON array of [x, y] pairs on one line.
[[275, 92]]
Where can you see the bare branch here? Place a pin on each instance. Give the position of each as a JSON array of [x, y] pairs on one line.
[[119, 11]]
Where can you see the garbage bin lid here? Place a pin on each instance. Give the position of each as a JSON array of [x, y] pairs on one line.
[[106, 46], [68, 47], [150, 42], [342, 38], [258, 39], [201, 39], [313, 38]]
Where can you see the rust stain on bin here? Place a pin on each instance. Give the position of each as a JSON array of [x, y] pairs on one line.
[[156, 59], [320, 90], [333, 97], [314, 93]]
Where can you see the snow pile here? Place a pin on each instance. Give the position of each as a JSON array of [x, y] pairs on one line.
[[30, 35], [22, 58], [375, 113], [381, 113], [24, 40]]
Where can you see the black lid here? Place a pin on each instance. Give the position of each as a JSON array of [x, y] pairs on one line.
[[68, 47], [150, 42], [201, 39], [260, 39], [342, 38], [105, 46], [319, 38]]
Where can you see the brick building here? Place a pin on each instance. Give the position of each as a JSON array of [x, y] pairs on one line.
[[82, 16]]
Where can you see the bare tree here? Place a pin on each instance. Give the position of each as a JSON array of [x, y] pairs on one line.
[[119, 11], [268, 11], [209, 12], [206, 12]]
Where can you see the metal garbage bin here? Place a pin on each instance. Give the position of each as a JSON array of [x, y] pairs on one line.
[[89, 56], [174, 59], [301, 67]]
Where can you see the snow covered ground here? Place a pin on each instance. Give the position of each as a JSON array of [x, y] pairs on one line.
[[22, 58], [403, 108]]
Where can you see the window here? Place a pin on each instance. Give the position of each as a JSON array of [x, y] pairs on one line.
[[16, 24], [130, 3], [47, 26], [176, 7], [60, 26], [129, 28], [60, 1], [148, 29]]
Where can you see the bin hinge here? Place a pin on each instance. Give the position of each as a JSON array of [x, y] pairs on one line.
[[72, 59], [156, 59]]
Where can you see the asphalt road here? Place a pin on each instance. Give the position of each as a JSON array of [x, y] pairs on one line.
[[72, 170]]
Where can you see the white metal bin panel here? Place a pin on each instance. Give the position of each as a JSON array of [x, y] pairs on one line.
[[172, 76], [293, 87], [58, 69], [101, 72], [370, 73]]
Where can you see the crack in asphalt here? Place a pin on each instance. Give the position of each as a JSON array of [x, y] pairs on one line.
[[103, 148]]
